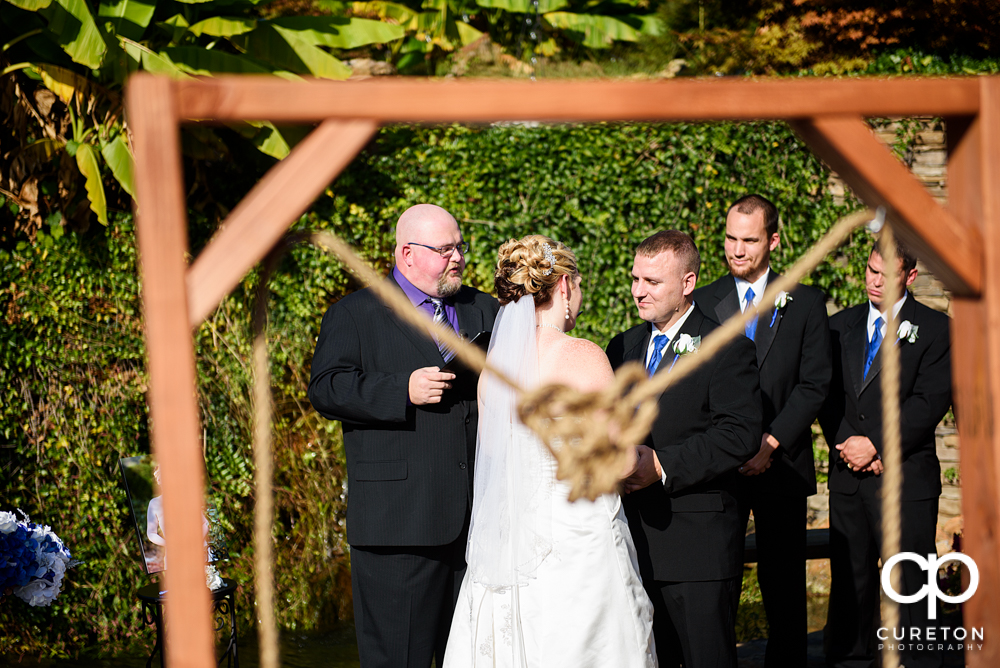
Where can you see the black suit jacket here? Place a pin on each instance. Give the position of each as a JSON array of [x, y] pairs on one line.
[[709, 423], [409, 468], [793, 355], [854, 406]]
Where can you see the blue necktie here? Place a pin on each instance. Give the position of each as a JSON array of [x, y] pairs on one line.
[[441, 318], [873, 346], [659, 343], [751, 327]]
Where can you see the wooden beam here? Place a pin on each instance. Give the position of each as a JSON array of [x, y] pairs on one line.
[[974, 198], [951, 249], [407, 100], [162, 235], [258, 222]]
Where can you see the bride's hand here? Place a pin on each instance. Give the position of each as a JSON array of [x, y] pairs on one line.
[[631, 464], [647, 470]]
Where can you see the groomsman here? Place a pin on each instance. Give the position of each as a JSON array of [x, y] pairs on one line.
[[410, 439], [681, 502], [852, 423], [792, 338]]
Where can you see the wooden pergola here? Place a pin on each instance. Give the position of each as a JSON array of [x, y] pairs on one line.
[[960, 243]]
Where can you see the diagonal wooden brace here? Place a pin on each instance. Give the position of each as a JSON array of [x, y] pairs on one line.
[[952, 250], [257, 223]]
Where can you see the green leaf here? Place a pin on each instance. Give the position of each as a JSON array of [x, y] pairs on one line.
[[119, 159], [175, 27], [41, 151], [76, 32], [524, 6], [339, 32], [129, 17], [31, 5], [86, 160], [466, 33], [206, 62], [285, 49], [221, 26], [157, 63], [270, 142], [595, 32]]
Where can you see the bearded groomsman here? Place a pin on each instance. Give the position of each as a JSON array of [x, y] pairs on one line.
[[681, 503], [792, 339], [852, 423]]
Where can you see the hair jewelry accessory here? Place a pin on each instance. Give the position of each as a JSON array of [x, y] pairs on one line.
[[549, 257]]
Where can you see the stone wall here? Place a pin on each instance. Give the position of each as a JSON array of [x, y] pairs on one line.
[[928, 161]]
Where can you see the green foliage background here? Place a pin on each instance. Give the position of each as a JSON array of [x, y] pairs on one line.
[[72, 379]]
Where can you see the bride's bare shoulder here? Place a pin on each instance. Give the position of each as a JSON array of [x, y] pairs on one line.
[[577, 363]]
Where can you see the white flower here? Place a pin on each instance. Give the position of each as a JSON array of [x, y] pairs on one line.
[[686, 344], [39, 592], [907, 330], [212, 578], [781, 301], [8, 522]]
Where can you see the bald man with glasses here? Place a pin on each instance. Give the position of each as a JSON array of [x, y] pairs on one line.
[[410, 437]]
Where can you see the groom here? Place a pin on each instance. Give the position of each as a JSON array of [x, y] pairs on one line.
[[681, 503]]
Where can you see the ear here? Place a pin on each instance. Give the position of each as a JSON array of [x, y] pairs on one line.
[[911, 276], [564, 287], [406, 255], [775, 240], [689, 281]]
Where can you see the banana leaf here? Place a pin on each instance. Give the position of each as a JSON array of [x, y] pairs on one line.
[[222, 26], [86, 160], [595, 32], [129, 17], [73, 26], [119, 159], [206, 62], [339, 32]]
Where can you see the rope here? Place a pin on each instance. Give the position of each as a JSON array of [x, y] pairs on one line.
[[264, 474], [892, 456]]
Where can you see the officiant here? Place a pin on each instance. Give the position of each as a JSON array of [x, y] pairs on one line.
[[409, 437]]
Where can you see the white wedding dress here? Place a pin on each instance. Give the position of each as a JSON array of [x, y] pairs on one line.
[[550, 583]]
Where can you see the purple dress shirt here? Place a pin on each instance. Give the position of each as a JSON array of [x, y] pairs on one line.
[[422, 301]]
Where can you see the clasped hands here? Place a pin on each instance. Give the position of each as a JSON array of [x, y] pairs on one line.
[[644, 470], [861, 455]]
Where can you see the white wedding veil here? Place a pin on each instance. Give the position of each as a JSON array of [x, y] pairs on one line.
[[511, 529]]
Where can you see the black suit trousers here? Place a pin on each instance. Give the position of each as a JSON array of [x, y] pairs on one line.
[[855, 547], [404, 598], [694, 623], [780, 526]]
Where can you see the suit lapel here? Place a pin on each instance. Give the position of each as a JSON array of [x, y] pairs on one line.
[[637, 351], [729, 300], [420, 340], [855, 338], [765, 331], [905, 313], [470, 319], [691, 327]]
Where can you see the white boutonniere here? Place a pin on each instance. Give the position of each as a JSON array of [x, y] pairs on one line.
[[907, 330], [780, 302], [686, 344]]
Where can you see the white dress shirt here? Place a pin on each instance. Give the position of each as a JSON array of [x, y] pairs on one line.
[[671, 333], [874, 314], [758, 289]]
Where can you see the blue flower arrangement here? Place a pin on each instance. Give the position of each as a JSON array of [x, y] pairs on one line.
[[33, 560]]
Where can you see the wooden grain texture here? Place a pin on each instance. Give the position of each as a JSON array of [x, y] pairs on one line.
[[162, 236], [951, 249], [258, 222], [470, 100], [974, 197]]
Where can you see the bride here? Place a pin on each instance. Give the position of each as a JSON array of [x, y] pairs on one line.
[[549, 582]]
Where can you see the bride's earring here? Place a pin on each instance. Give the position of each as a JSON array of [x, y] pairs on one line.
[[567, 307]]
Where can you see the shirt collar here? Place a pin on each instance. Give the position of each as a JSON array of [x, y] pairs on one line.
[[671, 333], [874, 313], [412, 292], [758, 287]]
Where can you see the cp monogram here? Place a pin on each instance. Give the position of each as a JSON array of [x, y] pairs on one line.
[[930, 590]]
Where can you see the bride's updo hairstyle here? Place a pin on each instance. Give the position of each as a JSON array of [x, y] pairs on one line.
[[532, 266]]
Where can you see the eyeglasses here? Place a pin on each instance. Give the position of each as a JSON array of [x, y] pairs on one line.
[[447, 249]]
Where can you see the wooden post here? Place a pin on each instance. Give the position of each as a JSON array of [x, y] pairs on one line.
[[974, 198], [162, 236]]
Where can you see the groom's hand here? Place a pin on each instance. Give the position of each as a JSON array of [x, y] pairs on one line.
[[428, 384], [647, 470]]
